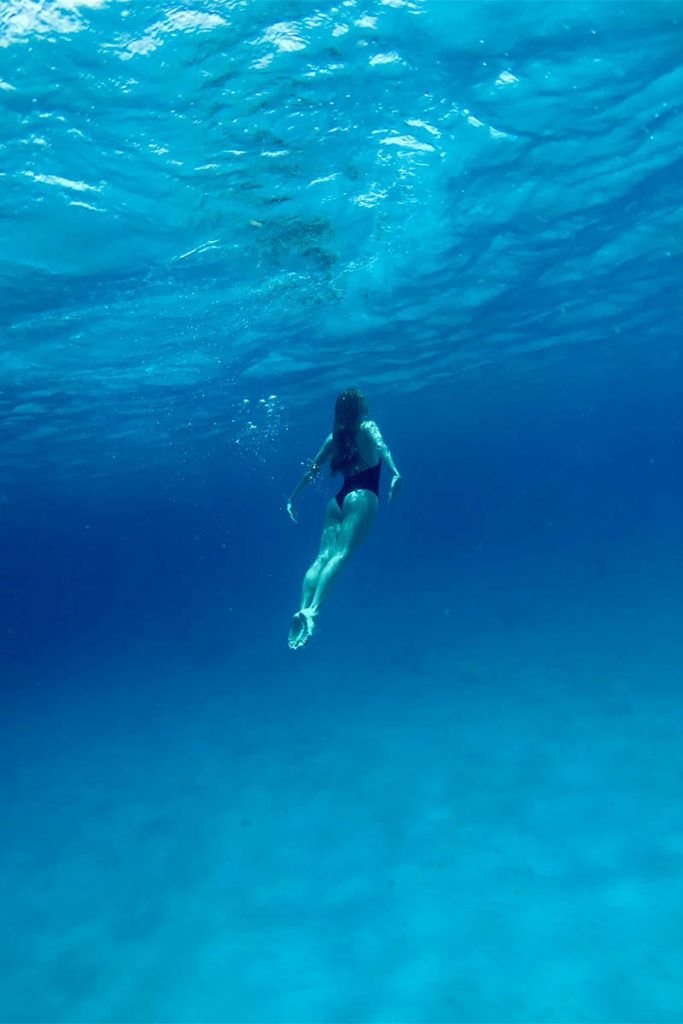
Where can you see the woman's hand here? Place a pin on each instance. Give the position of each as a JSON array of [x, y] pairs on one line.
[[290, 511], [393, 489]]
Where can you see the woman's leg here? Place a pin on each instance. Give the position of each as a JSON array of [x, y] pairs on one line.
[[342, 533], [328, 543], [360, 508], [302, 622]]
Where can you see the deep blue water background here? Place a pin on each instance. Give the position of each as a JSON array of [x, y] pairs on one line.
[[462, 801]]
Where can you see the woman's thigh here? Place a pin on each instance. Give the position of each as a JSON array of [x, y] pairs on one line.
[[331, 526], [359, 511]]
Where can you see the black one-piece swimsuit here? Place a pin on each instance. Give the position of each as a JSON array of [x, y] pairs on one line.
[[364, 480]]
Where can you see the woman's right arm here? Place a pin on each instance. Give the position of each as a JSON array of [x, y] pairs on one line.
[[310, 474]]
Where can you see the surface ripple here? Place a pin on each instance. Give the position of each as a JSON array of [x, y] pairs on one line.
[[238, 200]]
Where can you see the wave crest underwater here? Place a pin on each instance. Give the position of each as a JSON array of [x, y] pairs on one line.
[[237, 199]]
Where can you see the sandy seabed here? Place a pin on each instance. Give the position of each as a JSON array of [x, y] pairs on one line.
[[489, 831]]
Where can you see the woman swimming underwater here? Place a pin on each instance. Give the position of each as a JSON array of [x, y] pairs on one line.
[[356, 449]]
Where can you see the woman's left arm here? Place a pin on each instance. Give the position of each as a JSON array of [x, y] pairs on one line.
[[311, 473]]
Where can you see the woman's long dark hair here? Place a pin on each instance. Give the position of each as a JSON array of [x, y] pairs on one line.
[[348, 415]]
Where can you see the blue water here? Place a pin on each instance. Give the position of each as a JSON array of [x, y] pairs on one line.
[[462, 801]]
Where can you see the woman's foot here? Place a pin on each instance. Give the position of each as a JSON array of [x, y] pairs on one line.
[[302, 628]]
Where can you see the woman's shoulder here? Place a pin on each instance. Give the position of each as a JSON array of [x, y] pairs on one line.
[[370, 429]]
